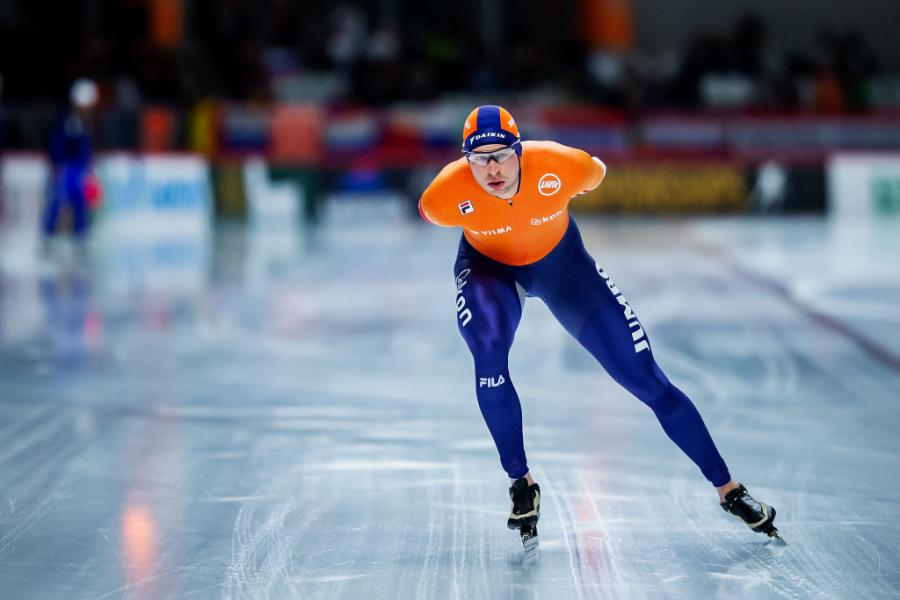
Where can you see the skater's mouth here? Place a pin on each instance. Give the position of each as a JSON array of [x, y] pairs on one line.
[[498, 184]]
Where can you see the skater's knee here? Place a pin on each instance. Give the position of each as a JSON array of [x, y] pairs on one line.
[[666, 401], [663, 404], [643, 378], [489, 349]]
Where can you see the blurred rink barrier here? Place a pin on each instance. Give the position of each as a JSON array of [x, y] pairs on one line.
[[681, 185], [270, 204], [669, 163], [274, 212], [864, 186], [281, 166], [146, 193], [23, 190], [153, 230]]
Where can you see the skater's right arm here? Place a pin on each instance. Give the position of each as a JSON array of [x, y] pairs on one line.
[[439, 202]]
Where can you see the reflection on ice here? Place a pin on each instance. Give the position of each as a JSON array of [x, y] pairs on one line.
[[277, 412], [165, 260]]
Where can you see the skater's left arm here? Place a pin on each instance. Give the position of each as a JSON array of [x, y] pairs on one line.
[[591, 169], [596, 174]]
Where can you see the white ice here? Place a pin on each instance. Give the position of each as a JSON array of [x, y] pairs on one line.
[[291, 414]]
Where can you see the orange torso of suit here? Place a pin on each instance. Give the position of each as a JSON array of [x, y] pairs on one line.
[[526, 227]]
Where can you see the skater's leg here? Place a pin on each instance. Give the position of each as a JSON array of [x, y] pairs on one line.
[[605, 336], [55, 198], [76, 195], [488, 312], [593, 310]]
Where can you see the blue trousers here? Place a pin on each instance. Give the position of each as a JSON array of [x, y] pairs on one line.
[[593, 310], [67, 188]]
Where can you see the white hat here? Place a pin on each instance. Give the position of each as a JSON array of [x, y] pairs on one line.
[[83, 93]]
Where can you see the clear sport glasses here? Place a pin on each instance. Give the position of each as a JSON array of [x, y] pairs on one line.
[[483, 159]]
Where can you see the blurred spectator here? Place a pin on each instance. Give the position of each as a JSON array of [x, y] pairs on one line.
[[706, 53], [2, 116], [71, 157], [2, 143], [347, 36], [828, 94], [181, 52], [748, 46], [726, 71], [847, 61]]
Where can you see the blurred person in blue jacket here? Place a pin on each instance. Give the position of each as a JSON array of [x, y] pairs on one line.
[[2, 117], [71, 158]]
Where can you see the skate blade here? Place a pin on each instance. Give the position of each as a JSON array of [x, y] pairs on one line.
[[775, 537], [529, 542]]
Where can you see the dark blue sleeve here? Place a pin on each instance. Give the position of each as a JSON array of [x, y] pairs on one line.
[[71, 146], [58, 144], [84, 151]]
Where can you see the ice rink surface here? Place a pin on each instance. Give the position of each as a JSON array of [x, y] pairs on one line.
[[280, 413]]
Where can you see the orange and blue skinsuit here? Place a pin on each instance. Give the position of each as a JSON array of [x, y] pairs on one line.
[[530, 246], [527, 227]]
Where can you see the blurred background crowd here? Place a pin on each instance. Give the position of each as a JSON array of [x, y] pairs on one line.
[[749, 98], [181, 51], [634, 56]]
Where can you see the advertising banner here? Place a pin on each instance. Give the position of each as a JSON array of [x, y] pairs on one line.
[[675, 187], [160, 191], [864, 185], [23, 194], [156, 222]]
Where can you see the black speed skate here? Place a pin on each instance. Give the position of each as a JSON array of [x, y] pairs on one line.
[[525, 512], [758, 516]]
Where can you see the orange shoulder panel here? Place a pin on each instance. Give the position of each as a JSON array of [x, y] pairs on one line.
[[440, 201], [578, 166]]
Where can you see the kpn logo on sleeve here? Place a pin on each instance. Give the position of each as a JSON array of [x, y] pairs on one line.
[[465, 207]]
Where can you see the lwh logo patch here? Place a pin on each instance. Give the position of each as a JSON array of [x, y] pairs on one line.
[[465, 207], [549, 184]]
